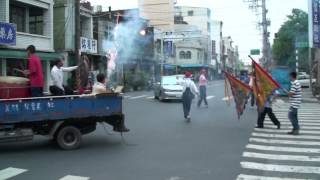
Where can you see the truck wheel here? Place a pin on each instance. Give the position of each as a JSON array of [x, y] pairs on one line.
[[68, 138]]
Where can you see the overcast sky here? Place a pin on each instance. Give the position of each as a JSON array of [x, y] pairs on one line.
[[239, 21]]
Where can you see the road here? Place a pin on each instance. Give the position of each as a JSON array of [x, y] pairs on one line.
[[160, 146]]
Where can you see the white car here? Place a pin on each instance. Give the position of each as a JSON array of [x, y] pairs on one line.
[[304, 80], [168, 88]]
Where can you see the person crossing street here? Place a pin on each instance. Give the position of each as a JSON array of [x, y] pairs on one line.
[[203, 88], [189, 92]]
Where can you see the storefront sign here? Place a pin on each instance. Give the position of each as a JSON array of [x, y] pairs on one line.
[[7, 34], [88, 45], [316, 23]]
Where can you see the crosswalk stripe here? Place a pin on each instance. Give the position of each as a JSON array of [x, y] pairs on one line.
[[284, 131], [281, 157], [210, 97], [70, 177], [301, 123], [282, 149], [290, 127], [250, 177], [280, 168], [138, 97], [300, 119], [285, 136], [11, 172], [274, 141]]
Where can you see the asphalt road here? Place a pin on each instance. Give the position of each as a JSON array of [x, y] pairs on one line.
[[160, 145]]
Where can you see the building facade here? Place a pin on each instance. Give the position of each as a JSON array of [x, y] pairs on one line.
[[216, 37], [65, 35], [160, 13], [33, 20]]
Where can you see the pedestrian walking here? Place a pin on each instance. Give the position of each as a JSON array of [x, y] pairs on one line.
[[34, 72], [188, 93], [251, 81], [203, 88], [57, 88], [267, 110], [295, 98]]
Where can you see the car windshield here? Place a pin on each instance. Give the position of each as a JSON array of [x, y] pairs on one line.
[[169, 81]]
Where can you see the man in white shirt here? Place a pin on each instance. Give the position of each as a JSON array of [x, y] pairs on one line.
[[57, 88]]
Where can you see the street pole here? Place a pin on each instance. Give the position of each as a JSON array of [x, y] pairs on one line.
[[77, 38], [265, 35], [161, 56]]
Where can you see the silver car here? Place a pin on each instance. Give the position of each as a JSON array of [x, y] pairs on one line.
[[168, 88]]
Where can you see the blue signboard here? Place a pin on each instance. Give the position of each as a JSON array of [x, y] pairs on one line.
[[316, 23], [8, 34]]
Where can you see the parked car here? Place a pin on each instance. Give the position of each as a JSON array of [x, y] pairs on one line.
[[304, 80], [168, 88]]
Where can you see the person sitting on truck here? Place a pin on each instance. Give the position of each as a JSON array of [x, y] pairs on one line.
[[57, 88], [100, 87]]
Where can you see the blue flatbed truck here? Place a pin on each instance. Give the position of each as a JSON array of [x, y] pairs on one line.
[[63, 119]]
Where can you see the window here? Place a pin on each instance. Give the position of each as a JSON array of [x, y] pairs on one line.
[[182, 55], [188, 55], [190, 13], [18, 17], [36, 21]]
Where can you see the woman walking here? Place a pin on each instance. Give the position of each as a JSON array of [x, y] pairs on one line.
[[188, 93]]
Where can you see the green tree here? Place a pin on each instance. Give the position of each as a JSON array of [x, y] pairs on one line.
[[295, 29]]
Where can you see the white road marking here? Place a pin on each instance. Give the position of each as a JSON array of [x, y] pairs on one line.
[[250, 177], [290, 127], [287, 136], [273, 141], [10, 172], [300, 123], [126, 96], [150, 97], [138, 97], [284, 131], [311, 120], [70, 177], [227, 98], [280, 168], [282, 149], [281, 157], [210, 97]]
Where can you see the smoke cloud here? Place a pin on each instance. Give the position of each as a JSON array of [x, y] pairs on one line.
[[127, 42]]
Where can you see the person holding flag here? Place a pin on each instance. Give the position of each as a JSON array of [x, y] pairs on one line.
[[295, 98], [268, 110]]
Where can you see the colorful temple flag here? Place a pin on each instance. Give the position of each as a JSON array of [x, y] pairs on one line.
[[240, 92], [263, 85]]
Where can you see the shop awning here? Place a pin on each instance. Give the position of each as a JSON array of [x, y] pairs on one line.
[[194, 66], [20, 54]]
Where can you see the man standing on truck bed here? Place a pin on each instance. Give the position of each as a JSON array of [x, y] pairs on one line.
[[57, 88], [34, 72]]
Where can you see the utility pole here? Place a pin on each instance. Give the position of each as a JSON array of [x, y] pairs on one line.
[[77, 38], [266, 49]]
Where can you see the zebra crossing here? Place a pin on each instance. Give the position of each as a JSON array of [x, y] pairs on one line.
[[272, 154], [11, 173]]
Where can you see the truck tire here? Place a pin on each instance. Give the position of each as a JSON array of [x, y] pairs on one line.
[[68, 138]]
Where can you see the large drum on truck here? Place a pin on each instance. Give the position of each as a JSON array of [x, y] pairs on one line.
[[14, 87]]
